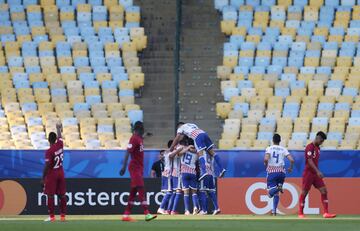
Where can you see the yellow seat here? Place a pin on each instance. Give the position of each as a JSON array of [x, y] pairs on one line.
[[138, 79], [243, 144], [261, 144], [227, 26], [226, 144]]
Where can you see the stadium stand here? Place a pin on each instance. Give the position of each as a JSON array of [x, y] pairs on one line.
[[290, 67], [75, 61]]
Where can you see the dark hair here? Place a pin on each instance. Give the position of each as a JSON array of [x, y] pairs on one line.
[[184, 141], [169, 143], [276, 138], [162, 150], [322, 135], [190, 141], [52, 137], [179, 124], [138, 126]]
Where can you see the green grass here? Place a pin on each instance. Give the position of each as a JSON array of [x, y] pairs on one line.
[[183, 223]]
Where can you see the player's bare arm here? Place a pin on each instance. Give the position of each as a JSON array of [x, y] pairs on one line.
[[175, 152], [123, 169], [45, 172], [292, 162], [185, 150], [312, 165], [58, 130], [176, 141], [266, 159]]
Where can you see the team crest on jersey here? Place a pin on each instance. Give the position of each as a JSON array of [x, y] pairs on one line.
[[309, 153], [129, 146], [141, 147]]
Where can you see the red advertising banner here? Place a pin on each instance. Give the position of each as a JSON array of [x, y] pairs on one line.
[[249, 196]]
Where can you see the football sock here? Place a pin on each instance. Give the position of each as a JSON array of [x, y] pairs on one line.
[[275, 204], [187, 202], [165, 200], [213, 197], [176, 201], [195, 200], [203, 201], [273, 191], [51, 205], [218, 161], [325, 202], [202, 163], [142, 200], [63, 205], [301, 204], [171, 201], [130, 201]]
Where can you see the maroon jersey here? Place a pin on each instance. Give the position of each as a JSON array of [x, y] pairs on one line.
[[136, 150], [55, 155], [311, 152]]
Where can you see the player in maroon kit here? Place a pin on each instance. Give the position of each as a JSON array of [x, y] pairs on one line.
[[53, 179], [136, 168], [313, 176]]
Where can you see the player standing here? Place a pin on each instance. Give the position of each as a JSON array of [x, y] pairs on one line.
[[136, 169], [53, 178], [189, 178], [275, 168], [313, 176], [202, 143]]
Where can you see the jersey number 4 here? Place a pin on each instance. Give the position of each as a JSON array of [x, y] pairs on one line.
[[276, 156], [58, 160]]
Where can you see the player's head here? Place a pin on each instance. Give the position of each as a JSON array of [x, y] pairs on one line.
[[52, 138], [161, 154], [184, 141], [276, 139], [320, 138], [139, 128], [179, 124], [169, 143]]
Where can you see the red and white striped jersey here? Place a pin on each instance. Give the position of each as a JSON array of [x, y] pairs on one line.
[[277, 158], [190, 130], [188, 163], [167, 164]]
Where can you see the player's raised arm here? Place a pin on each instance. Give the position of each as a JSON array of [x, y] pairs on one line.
[[175, 152], [292, 161], [58, 130], [177, 139]]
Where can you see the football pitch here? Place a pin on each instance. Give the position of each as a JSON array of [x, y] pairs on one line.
[[181, 223]]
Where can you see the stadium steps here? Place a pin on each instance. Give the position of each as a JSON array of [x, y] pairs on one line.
[[157, 62], [199, 87]]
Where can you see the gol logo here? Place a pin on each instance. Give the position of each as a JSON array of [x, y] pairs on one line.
[[12, 198]]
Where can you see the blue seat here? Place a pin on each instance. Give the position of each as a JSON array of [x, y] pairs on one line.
[[248, 46], [268, 121], [128, 3], [71, 31], [307, 70], [291, 114], [355, 114], [40, 85], [283, 92], [86, 77], [117, 77], [91, 84], [25, 107], [230, 15], [241, 70], [87, 31], [33, 69], [101, 69], [286, 39], [237, 3], [22, 84], [135, 115], [95, 2], [245, 84], [18, 77], [265, 135], [335, 84], [81, 61], [67, 70], [354, 121], [291, 107], [116, 70], [313, 53], [279, 61], [81, 107], [245, 61], [97, 61], [323, 70], [29, 2], [15, 61], [274, 69], [337, 31], [350, 91], [318, 38], [342, 106], [126, 92], [292, 24], [304, 31], [132, 25], [99, 13], [268, 2], [244, 107], [296, 61], [4, 69], [67, 8], [297, 84], [320, 121], [272, 31], [290, 77], [300, 2], [121, 31], [230, 92], [334, 136], [325, 106], [262, 61], [105, 129], [299, 136], [122, 39], [257, 70], [58, 92], [104, 32], [92, 99], [113, 61], [109, 84], [331, 2]]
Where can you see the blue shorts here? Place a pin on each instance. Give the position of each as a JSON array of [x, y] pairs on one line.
[[203, 142], [176, 182], [166, 184], [208, 183], [189, 181], [274, 179]]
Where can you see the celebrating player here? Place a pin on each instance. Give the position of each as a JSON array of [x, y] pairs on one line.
[[275, 168], [208, 187], [136, 168], [202, 143], [53, 178], [189, 178], [313, 176]]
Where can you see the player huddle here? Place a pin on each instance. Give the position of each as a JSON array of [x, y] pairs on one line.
[[190, 164]]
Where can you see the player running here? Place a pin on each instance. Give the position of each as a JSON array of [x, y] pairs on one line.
[[208, 187], [53, 179], [313, 176], [202, 143], [275, 168], [135, 149], [189, 178]]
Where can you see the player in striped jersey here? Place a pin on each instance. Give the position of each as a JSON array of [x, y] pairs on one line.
[[203, 144], [208, 187], [275, 167], [189, 178]]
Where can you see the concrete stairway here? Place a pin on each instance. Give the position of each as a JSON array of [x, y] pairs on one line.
[[201, 52], [157, 62]]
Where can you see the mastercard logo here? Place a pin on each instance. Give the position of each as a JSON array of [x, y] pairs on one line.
[[12, 198]]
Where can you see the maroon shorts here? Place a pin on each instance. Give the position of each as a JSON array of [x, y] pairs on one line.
[[55, 183], [137, 178], [310, 179]]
